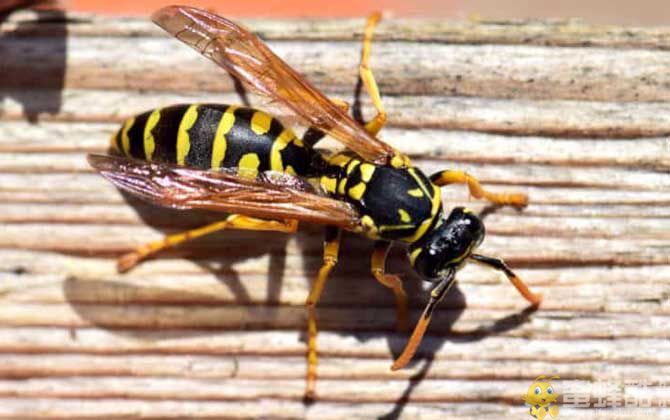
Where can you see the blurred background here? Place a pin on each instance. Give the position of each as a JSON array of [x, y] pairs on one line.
[[640, 12]]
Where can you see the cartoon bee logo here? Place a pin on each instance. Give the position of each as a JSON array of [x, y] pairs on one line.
[[541, 398]]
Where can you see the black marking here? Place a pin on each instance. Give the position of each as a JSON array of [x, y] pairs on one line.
[[136, 136], [201, 136], [165, 133], [312, 136], [242, 140], [386, 192], [299, 158], [354, 178], [332, 233], [339, 173]]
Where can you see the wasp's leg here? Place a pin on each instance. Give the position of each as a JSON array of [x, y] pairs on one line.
[[374, 125], [331, 248], [313, 134], [499, 264], [343, 105], [476, 190], [234, 221], [378, 263]]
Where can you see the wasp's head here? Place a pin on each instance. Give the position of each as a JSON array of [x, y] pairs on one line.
[[438, 256], [446, 247]]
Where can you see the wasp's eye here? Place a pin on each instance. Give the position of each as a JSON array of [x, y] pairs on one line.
[[550, 390], [538, 390]]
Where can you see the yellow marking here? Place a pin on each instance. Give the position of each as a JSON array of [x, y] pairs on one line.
[[260, 122], [400, 161], [467, 210], [114, 142], [220, 143], [352, 165], [404, 216], [357, 191], [125, 140], [436, 200], [329, 184], [298, 142], [413, 255], [416, 192], [419, 182], [461, 257], [289, 170], [278, 145], [149, 141], [339, 160], [369, 224], [366, 171], [341, 186], [248, 165], [386, 228], [183, 141]]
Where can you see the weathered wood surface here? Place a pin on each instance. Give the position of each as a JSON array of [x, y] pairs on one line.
[[577, 116]]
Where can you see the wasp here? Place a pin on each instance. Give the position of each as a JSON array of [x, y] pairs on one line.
[[245, 163]]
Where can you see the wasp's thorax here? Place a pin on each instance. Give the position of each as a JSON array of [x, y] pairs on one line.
[[448, 245]]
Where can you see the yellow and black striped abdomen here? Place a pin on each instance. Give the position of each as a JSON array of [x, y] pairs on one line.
[[212, 136]]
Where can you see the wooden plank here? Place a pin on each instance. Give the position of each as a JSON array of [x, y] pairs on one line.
[[361, 345], [572, 114], [130, 408], [220, 367], [368, 391], [650, 153], [491, 71], [556, 32], [576, 119]]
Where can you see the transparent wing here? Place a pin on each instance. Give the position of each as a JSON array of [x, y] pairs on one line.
[[271, 195], [246, 57]]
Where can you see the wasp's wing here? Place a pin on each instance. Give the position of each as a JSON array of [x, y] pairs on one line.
[[247, 58], [270, 195]]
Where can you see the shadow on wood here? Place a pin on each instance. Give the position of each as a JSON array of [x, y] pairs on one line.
[[19, 58]]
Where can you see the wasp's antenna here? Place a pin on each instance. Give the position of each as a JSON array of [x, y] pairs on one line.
[[436, 296]]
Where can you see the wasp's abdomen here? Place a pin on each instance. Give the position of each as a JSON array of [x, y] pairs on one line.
[[212, 136]]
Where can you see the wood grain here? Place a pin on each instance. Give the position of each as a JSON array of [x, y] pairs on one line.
[[574, 115]]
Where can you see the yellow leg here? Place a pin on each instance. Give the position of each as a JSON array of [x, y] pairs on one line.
[[374, 125], [234, 221], [343, 105], [476, 190], [378, 263], [331, 247]]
